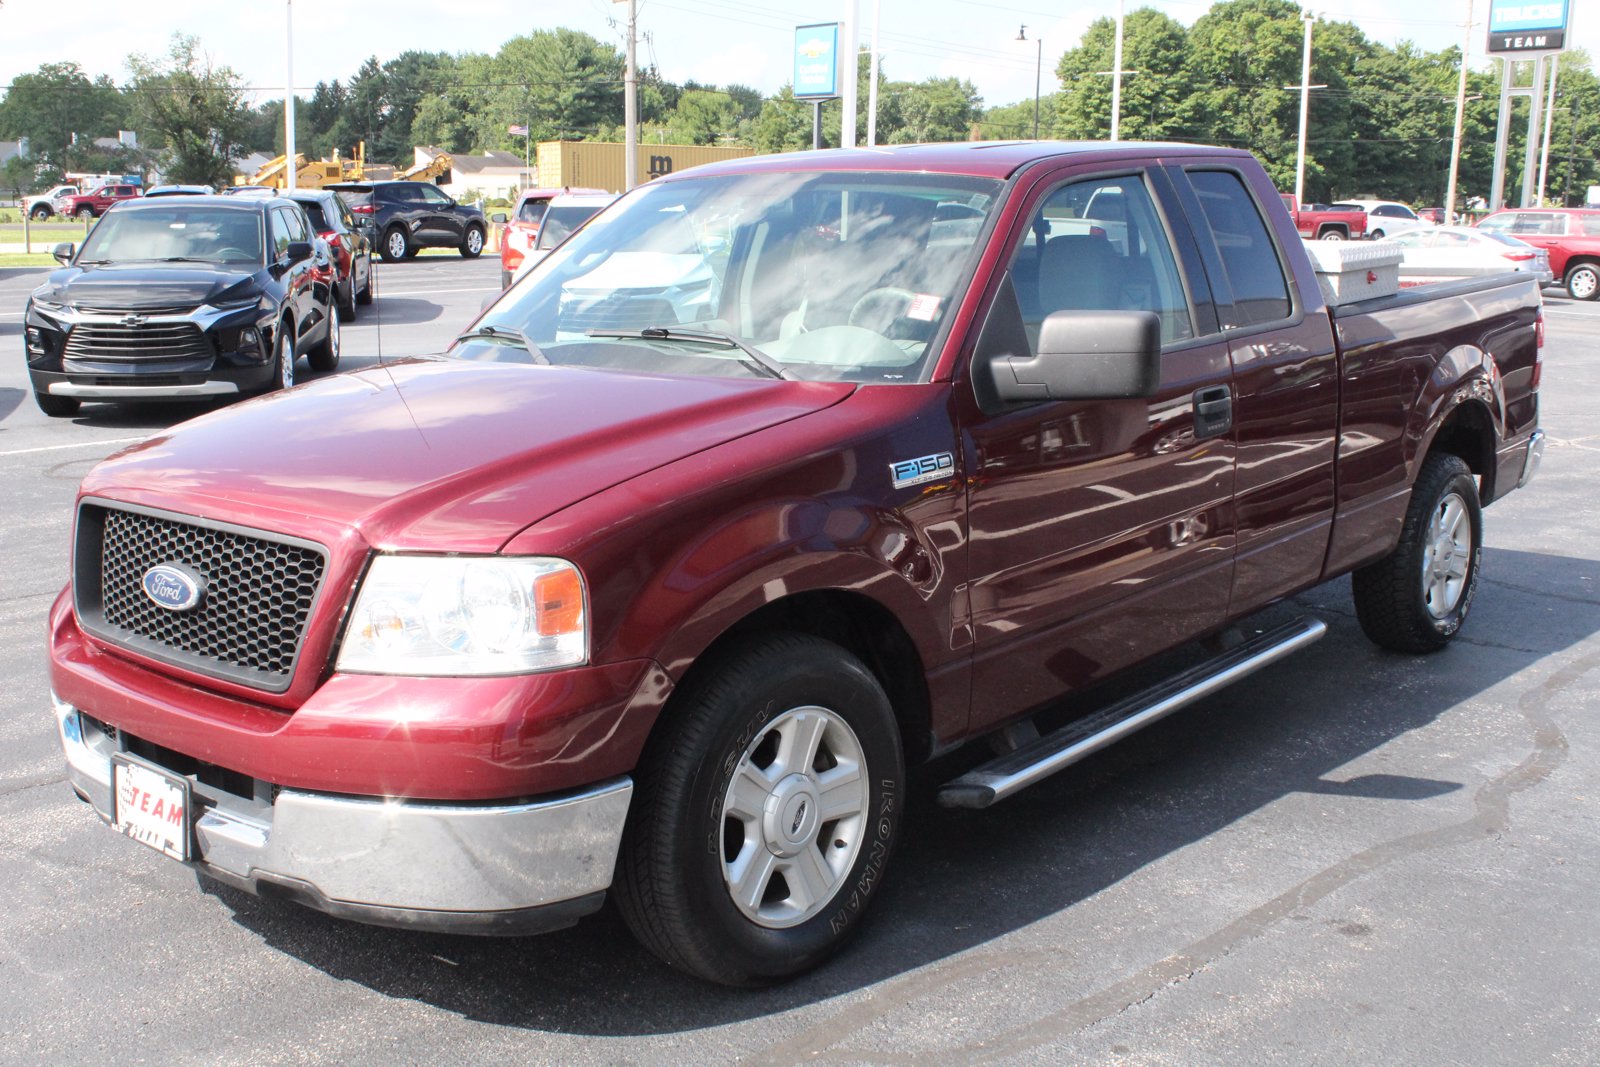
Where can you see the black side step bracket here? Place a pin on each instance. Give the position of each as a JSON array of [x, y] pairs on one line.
[[1037, 760]]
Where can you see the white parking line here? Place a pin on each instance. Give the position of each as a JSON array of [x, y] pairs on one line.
[[80, 444], [430, 292]]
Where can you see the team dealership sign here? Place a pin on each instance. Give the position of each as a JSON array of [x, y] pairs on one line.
[[1528, 25]]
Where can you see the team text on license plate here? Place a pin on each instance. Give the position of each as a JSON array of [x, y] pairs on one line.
[[151, 807]]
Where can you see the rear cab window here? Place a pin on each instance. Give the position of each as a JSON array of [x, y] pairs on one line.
[[1250, 260]]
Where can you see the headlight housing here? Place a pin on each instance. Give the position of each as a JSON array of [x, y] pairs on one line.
[[466, 615]]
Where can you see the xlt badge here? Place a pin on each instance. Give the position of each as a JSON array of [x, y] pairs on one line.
[[932, 468]]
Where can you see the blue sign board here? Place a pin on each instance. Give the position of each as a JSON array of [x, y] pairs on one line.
[[1528, 25], [816, 61]]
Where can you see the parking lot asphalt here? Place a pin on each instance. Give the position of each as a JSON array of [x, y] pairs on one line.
[[1352, 857]]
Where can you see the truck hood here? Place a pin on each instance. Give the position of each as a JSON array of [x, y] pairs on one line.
[[138, 286], [441, 455]]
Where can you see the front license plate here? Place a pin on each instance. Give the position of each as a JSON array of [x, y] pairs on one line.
[[151, 806]]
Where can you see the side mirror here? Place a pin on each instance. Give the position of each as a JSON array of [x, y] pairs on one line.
[[498, 216], [299, 250], [64, 252], [1081, 355]]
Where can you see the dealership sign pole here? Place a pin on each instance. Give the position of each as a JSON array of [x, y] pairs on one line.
[[816, 70], [1527, 30]]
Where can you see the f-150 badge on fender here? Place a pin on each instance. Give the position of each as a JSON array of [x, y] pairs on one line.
[[923, 469]]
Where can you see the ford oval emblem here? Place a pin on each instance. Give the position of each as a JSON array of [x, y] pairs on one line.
[[174, 586]]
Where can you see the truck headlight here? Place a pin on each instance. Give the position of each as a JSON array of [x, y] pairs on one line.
[[456, 615]]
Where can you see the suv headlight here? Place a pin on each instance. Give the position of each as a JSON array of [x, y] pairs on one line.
[[458, 615]]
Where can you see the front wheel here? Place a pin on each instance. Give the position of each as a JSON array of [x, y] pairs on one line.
[[472, 243], [85, 213], [40, 212], [1416, 598], [57, 407], [1583, 282], [282, 358], [764, 813]]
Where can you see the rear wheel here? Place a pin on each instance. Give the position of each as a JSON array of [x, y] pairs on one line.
[[1416, 598], [1376, 235], [1331, 234], [764, 813], [396, 245], [472, 243], [57, 407], [1583, 282]]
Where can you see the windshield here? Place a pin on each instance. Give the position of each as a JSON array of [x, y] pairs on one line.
[[181, 232], [559, 222], [833, 276]]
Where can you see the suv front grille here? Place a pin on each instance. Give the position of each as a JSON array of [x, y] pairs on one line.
[[150, 341], [251, 620]]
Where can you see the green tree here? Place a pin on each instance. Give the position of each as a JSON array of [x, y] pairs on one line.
[[18, 176], [191, 112], [937, 109], [1155, 48], [363, 112], [56, 102]]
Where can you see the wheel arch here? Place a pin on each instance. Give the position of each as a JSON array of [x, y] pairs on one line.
[[1468, 429]]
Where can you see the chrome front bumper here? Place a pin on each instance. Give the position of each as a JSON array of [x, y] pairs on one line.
[[514, 868]]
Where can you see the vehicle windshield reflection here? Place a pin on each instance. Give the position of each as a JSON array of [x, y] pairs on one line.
[[839, 276]]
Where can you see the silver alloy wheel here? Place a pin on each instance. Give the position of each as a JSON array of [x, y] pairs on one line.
[[1332, 235], [397, 244], [285, 359], [1583, 283], [1446, 556], [333, 333], [794, 816], [474, 241]]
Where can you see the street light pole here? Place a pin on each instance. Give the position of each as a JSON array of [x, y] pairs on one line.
[[1038, 66], [1549, 120], [288, 91], [872, 79], [1461, 110], [1116, 78], [630, 103]]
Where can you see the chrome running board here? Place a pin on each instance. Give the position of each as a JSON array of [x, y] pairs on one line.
[[1037, 760]]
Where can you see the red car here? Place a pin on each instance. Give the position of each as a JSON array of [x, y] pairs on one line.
[[92, 205], [522, 229], [1570, 235]]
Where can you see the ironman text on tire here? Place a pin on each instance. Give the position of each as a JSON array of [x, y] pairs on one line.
[[765, 811]]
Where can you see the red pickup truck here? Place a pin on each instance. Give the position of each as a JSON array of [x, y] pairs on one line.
[[1325, 223], [96, 202], [781, 476]]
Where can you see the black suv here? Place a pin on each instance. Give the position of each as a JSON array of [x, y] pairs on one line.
[[408, 216], [182, 297]]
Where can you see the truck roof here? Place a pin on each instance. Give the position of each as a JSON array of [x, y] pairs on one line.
[[987, 159]]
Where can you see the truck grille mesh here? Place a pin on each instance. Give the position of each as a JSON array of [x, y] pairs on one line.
[[114, 342], [252, 618]]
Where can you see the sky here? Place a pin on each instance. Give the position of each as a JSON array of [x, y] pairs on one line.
[[711, 41]]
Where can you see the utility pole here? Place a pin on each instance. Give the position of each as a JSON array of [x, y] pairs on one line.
[[850, 46], [288, 91], [1305, 106], [1116, 79], [1461, 110], [630, 102]]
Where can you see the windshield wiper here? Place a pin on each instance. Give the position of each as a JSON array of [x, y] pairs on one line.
[[184, 259], [505, 333], [756, 359]]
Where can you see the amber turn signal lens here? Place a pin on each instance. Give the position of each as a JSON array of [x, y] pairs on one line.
[[558, 603]]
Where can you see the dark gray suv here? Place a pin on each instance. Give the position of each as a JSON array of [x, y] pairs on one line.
[[408, 216]]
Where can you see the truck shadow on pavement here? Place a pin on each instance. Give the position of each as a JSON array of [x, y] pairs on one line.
[[963, 879]]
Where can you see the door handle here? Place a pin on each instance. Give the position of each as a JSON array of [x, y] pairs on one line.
[[1213, 411]]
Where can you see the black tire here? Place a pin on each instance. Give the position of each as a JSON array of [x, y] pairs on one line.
[[671, 886], [57, 407], [1583, 282], [472, 243], [283, 357], [1332, 233], [40, 212], [324, 359], [396, 245], [347, 302], [85, 213], [364, 294], [1376, 235], [1403, 601]]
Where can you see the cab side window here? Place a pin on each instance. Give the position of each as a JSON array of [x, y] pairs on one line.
[[1099, 245], [1249, 258]]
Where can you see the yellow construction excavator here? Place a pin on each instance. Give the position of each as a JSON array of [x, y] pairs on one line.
[[313, 174]]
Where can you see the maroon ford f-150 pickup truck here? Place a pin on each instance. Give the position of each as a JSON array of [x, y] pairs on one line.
[[778, 477]]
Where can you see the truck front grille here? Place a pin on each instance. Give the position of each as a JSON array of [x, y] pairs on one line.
[[148, 342], [250, 622], [618, 311]]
